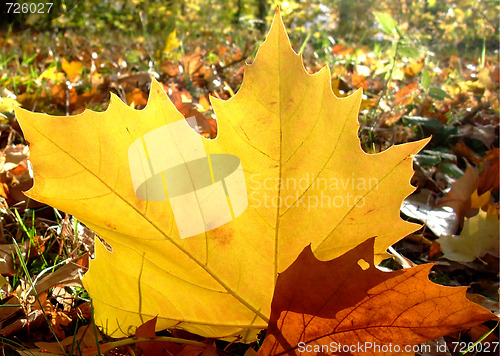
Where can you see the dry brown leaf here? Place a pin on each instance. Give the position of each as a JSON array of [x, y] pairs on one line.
[[460, 193], [155, 348], [319, 306], [85, 337], [32, 321], [6, 259], [489, 177], [67, 275], [7, 311]]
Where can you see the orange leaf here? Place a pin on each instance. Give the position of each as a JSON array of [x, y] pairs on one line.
[[359, 81], [414, 68], [193, 64], [72, 69], [170, 67], [4, 190], [183, 102], [319, 306], [154, 347], [342, 50], [461, 149], [405, 95], [62, 95], [489, 177], [137, 98], [204, 103]]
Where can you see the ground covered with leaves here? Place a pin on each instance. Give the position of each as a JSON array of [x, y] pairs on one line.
[[423, 70]]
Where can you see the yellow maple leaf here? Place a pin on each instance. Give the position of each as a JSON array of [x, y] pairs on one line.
[[201, 228]]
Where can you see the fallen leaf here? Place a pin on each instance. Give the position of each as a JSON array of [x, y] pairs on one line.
[[348, 305], [137, 98], [193, 64], [485, 79], [484, 133], [85, 338], [72, 69], [413, 68], [405, 95], [171, 43], [485, 302], [155, 348], [489, 177], [480, 235], [63, 94], [58, 319], [341, 49], [462, 150], [52, 75], [204, 103], [183, 102], [8, 310], [294, 174], [67, 275], [441, 221], [32, 321], [358, 81], [460, 193], [170, 67], [8, 104], [479, 201], [251, 352], [6, 259]]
